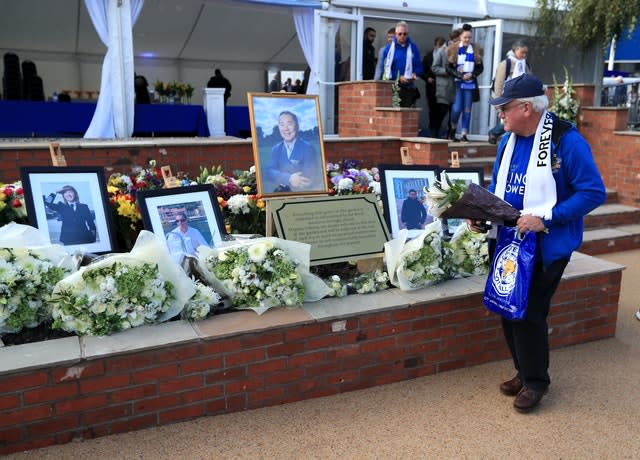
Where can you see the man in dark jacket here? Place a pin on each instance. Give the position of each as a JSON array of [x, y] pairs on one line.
[[413, 213], [368, 54], [219, 81]]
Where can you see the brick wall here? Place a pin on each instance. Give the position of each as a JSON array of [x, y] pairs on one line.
[[615, 150], [365, 110], [141, 389], [230, 155]]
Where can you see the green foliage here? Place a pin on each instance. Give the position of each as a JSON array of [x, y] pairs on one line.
[[585, 22]]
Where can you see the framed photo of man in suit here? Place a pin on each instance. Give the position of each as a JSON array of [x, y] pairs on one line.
[[287, 144]]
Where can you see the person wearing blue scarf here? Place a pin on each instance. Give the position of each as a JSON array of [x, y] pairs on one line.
[[402, 59], [465, 64]]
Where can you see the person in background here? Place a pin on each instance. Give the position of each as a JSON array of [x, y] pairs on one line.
[[513, 66], [445, 87], [545, 169], [380, 65], [219, 81], [413, 214], [288, 86], [141, 87], [465, 64], [294, 164], [274, 84], [368, 54], [78, 223], [437, 111], [402, 61]]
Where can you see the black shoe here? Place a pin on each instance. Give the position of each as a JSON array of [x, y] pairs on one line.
[[452, 135], [463, 138], [493, 139]]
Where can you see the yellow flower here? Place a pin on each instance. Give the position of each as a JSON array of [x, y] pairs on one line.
[[260, 203], [246, 189]]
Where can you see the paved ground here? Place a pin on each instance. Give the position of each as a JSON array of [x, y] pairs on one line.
[[592, 411]]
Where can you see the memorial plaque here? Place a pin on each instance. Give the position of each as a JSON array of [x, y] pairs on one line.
[[338, 228]]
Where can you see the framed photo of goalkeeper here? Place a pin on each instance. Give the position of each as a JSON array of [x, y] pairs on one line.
[[403, 190], [468, 175]]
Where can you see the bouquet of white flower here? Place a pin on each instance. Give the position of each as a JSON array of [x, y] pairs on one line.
[[470, 252], [122, 291], [199, 306], [417, 263], [457, 199], [262, 273], [29, 269], [366, 283], [337, 288]]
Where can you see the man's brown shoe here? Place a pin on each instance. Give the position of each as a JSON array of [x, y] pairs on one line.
[[511, 387], [528, 399]]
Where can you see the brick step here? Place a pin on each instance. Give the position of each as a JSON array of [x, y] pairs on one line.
[[608, 240], [611, 215]]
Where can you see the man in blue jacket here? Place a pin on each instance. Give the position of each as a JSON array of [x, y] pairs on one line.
[[294, 165], [545, 169], [402, 58]]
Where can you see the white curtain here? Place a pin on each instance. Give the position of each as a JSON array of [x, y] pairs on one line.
[[303, 19], [113, 21]]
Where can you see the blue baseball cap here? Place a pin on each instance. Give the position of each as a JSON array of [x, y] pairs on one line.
[[525, 85]]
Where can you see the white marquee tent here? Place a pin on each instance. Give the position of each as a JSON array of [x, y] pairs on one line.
[[185, 40]]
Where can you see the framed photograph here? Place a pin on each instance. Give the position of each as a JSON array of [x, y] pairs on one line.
[[288, 149], [70, 206], [475, 175], [403, 192], [187, 217]]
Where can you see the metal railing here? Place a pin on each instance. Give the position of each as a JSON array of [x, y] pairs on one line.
[[624, 95]]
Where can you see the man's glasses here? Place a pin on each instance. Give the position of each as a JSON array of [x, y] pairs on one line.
[[505, 108], [181, 220]]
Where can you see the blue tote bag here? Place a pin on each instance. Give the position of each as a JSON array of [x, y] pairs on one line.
[[507, 288]]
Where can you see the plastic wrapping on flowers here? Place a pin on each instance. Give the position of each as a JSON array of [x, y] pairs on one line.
[[416, 263], [122, 291], [262, 273], [469, 252], [29, 269]]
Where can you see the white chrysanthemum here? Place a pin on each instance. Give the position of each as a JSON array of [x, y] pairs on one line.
[[375, 187], [345, 184], [238, 204]]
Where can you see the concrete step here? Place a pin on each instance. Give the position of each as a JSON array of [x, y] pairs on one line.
[[611, 215], [608, 240]]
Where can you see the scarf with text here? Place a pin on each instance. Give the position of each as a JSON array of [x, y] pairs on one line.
[[540, 190]]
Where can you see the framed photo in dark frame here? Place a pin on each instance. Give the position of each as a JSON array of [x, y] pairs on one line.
[[70, 206], [186, 217], [475, 175], [402, 207], [288, 148]]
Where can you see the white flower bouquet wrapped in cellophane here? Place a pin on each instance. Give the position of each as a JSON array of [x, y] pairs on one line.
[[30, 267], [416, 263], [262, 273], [121, 291], [469, 252]]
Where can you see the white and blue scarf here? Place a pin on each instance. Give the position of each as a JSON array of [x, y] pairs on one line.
[[540, 191], [408, 66], [466, 59]]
